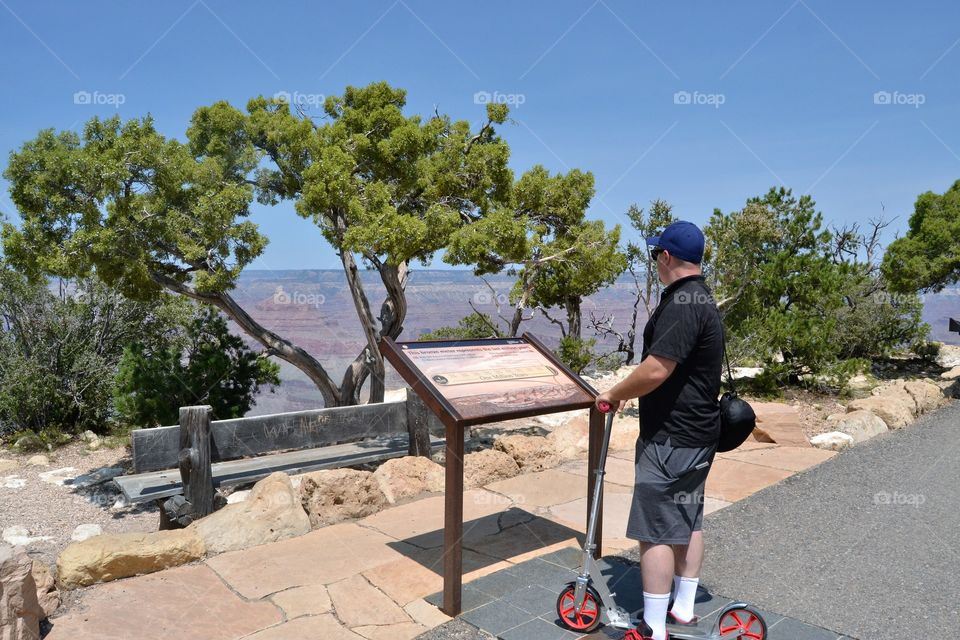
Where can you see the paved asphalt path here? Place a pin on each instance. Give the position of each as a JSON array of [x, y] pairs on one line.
[[866, 544]]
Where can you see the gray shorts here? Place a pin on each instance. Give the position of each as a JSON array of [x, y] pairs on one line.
[[668, 492]]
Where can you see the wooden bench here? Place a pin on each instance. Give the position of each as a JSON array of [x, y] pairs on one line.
[[197, 456]]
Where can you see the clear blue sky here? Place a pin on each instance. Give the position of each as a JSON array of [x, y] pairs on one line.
[[597, 81]]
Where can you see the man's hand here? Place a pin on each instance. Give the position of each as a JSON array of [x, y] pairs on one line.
[[605, 397]]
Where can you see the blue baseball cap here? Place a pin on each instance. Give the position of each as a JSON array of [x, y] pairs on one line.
[[682, 239]]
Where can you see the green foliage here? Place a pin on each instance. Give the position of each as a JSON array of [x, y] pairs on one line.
[[800, 300], [928, 256], [59, 352], [123, 201], [576, 353], [214, 367], [476, 325]]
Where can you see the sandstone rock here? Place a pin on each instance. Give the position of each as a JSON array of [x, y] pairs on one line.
[[58, 476], [951, 374], [489, 465], [20, 536], [7, 465], [20, 612], [333, 495], [859, 424], [952, 390], [39, 461], [84, 531], [555, 420], [408, 476], [48, 596], [531, 453], [894, 409], [570, 438], [833, 441], [271, 512], [92, 440], [625, 432], [927, 395], [239, 496], [949, 356], [120, 555], [13, 482]]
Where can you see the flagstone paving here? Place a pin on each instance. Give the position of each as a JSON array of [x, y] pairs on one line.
[[370, 578]]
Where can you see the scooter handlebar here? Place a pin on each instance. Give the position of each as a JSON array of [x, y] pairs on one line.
[[604, 406]]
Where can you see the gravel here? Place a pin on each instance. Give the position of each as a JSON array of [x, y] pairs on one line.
[[49, 513]]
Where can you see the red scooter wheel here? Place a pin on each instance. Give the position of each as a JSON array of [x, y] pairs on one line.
[[588, 618], [746, 620]]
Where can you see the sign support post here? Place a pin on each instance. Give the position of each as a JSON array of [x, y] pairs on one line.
[[470, 382]]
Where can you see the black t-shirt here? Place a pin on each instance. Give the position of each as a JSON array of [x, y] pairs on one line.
[[686, 328]]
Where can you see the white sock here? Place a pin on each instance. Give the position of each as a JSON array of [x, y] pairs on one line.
[[655, 613], [684, 600]]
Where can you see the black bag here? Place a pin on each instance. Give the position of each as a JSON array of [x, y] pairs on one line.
[[737, 418]]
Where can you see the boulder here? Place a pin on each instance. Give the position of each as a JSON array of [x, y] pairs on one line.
[[555, 420], [896, 410], [120, 555], [949, 356], [20, 611], [951, 374], [333, 495], [39, 460], [860, 425], [625, 432], [833, 441], [271, 512], [531, 453], [48, 595], [927, 395], [408, 476], [7, 465], [570, 438], [239, 496], [85, 531], [488, 465], [92, 440], [19, 536]]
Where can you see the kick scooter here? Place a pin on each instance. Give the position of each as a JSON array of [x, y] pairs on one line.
[[584, 601]]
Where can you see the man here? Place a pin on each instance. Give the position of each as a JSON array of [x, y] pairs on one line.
[[678, 384]]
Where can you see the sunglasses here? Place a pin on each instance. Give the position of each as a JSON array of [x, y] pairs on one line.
[[655, 253]]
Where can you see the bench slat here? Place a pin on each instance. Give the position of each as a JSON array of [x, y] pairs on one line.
[[152, 485], [156, 449]]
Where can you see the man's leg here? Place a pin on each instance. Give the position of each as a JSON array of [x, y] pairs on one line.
[[656, 567], [689, 559]]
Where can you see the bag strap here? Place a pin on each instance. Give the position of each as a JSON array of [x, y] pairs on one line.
[[723, 334]]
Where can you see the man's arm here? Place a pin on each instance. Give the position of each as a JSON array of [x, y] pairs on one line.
[[649, 375]]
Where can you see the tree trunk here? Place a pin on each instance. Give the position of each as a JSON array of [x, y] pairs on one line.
[[369, 361], [573, 317], [280, 347]]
